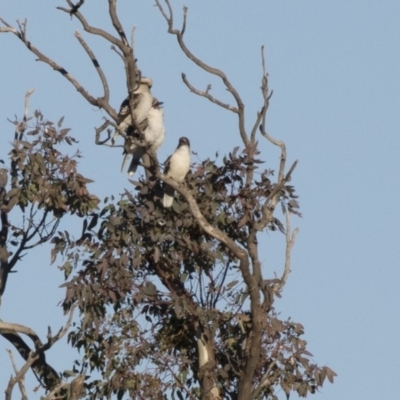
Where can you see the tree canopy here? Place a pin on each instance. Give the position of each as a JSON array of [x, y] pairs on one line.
[[160, 302]]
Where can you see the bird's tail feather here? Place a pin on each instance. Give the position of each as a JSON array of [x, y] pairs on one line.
[[125, 160], [167, 201], [168, 196], [133, 166], [136, 153]]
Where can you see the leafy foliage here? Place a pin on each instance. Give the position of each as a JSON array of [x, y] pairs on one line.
[[146, 277]]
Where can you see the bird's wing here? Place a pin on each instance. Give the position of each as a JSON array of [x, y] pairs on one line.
[[127, 156], [135, 131], [142, 126], [167, 164], [124, 109], [136, 153]]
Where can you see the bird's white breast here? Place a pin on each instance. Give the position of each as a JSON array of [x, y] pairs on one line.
[[179, 164], [155, 132], [143, 107]]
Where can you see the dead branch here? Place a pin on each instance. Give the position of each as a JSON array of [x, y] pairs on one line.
[[35, 359], [96, 65], [214, 71], [43, 371], [17, 328], [88, 28], [261, 115], [122, 44], [20, 375], [21, 34], [22, 126], [112, 8], [101, 129], [63, 330], [208, 96], [290, 241], [21, 382]]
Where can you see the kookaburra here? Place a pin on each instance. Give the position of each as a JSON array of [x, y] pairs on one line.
[[154, 134], [142, 100], [176, 167]]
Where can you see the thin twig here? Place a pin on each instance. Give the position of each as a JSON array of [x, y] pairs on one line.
[[290, 241], [208, 96], [133, 37], [21, 127], [113, 48]]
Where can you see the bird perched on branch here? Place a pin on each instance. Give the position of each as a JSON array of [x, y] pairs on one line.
[[176, 167], [154, 133], [142, 101]]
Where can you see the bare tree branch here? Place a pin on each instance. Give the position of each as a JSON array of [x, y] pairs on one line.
[[214, 71], [43, 371], [98, 102], [22, 126], [122, 44], [21, 381], [88, 28], [35, 359], [290, 241], [208, 96], [112, 9], [266, 97], [17, 328], [96, 65], [20, 375]]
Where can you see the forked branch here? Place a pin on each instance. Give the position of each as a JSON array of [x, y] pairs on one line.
[[207, 95], [21, 34], [34, 358], [122, 43], [214, 71]]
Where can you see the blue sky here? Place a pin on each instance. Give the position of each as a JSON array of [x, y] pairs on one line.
[[334, 68]]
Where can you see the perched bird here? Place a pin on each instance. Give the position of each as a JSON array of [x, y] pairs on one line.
[[176, 167], [142, 100], [154, 134]]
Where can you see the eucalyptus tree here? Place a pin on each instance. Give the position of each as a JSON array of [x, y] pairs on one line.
[[172, 302]]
